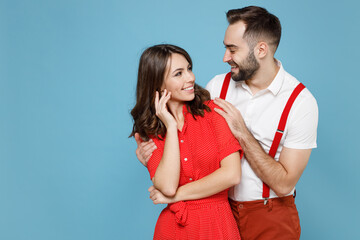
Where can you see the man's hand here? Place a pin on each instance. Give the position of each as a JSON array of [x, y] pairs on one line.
[[232, 116], [282, 175], [144, 149], [158, 198]]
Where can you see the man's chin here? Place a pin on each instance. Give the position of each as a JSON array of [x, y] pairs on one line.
[[236, 77], [234, 74]]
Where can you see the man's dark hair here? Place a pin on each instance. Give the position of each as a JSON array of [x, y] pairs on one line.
[[260, 25]]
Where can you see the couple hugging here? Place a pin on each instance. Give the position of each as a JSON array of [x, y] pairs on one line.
[[227, 167]]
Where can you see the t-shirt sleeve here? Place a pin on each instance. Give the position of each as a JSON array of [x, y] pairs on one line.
[[302, 125], [226, 141], [155, 158]]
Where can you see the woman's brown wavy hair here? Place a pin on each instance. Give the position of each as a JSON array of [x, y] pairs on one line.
[[151, 74]]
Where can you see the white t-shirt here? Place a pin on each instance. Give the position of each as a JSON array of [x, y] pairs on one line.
[[261, 113]]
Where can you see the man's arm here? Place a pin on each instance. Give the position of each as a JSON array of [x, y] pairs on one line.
[[144, 150], [281, 176]]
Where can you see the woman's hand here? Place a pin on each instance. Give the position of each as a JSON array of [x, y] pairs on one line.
[[158, 198], [162, 111]]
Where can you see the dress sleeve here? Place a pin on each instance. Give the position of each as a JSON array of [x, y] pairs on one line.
[[225, 139], [156, 156]]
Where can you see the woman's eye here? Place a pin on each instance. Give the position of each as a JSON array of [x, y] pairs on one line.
[[178, 74], [190, 68]]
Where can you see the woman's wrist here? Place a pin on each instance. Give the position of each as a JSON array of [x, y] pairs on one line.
[[171, 127], [178, 197]]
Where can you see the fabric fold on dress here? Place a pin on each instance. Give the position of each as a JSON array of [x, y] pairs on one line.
[[181, 212]]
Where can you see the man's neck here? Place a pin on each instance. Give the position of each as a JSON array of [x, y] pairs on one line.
[[264, 77]]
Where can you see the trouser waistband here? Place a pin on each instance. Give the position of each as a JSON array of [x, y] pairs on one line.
[[283, 201]]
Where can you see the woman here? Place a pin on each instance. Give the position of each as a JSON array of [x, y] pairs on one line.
[[197, 158]]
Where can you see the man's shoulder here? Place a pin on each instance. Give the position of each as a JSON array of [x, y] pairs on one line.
[[219, 77], [215, 83], [291, 82], [305, 103]]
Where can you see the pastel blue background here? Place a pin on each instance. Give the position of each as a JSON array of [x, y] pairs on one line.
[[67, 82]]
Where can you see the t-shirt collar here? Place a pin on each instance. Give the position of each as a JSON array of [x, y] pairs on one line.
[[276, 84]]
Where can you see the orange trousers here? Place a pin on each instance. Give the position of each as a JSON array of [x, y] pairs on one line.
[[278, 219]]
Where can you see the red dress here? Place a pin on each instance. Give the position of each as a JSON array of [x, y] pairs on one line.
[[204, 142]]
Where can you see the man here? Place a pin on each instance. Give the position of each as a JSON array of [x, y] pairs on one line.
[[256, 96]]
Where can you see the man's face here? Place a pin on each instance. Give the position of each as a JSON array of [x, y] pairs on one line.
[[238, 55]]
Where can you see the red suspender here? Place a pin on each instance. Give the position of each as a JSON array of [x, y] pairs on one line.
[[280, 130], [281, 127], [225, 86]]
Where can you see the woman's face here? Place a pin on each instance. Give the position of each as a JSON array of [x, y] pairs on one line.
[[179, 79]]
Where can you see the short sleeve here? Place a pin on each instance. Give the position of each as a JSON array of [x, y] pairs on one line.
[[226, 141], [156, 156], [302, 125]]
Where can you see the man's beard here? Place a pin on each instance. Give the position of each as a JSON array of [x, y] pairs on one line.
[[247, 68]]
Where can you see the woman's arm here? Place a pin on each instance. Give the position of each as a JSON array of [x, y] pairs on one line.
[[166, 178], [227, 175]]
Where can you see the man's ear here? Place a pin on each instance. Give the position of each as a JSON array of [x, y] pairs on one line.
[[262, 49]]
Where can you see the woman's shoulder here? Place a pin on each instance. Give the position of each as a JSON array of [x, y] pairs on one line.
[[211, 104], [211, 115]]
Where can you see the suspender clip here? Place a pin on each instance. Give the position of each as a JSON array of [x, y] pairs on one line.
[[266, 201]]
